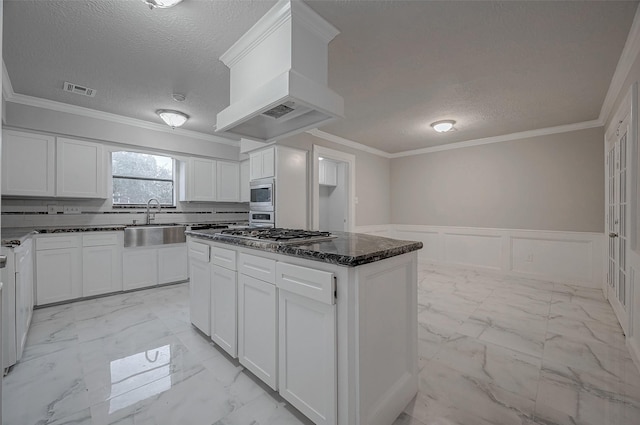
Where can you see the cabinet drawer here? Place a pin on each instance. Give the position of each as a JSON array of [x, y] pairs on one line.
[[257, 267], [223, 257], [57, 242], [199, 251], [311, 283], [100, 239]]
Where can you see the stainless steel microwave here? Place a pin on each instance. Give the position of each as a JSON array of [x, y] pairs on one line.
[[262, 197]]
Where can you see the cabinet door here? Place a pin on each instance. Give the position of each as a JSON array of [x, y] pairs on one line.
[[269, 162], [58, 275], [224, 299], [139, 268], [28, 164], [257, 330], [79, 169], [307, 356], [255, 166], [200, 295], [228, 181], [172, 263], [202, 181], [244, 181], [101, 270]]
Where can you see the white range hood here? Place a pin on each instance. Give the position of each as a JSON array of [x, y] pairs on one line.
[[278, 74]]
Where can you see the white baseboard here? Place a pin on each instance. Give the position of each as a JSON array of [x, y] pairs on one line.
[[566, 257]]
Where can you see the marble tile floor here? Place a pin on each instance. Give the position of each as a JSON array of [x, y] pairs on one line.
[[493, 350]]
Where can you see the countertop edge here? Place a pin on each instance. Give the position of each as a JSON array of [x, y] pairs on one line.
[[304, 252]]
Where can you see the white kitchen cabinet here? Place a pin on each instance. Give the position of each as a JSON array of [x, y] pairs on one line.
[[262, 164], [101, 263], [28, 164], [79, 169], [245, 192], [139, 268], [327, 173], [199, 180], [227, 181], [200, 286], [307, 363], [172, 263], [58, 268], [224, 300], [257, 328]]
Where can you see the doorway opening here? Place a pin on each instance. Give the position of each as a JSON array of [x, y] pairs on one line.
[[333, 190]]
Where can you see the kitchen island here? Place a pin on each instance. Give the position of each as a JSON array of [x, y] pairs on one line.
[[330, 324]]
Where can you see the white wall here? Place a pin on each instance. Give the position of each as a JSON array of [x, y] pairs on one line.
[[332, 202]]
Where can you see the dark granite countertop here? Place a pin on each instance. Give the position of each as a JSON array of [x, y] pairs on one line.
[[347, 249], [15, 236]]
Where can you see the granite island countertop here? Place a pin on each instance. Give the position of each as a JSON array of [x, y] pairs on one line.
[[347, 249]]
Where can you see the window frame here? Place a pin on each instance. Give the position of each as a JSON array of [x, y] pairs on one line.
[[173, 180]]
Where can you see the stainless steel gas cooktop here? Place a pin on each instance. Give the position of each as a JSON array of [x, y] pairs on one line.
[[278, 235]]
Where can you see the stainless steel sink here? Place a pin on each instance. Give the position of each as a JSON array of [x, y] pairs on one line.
[[154, 234]]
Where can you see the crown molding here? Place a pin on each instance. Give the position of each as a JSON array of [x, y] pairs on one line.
[[504, 138], [277, 16], [627, 58], [10, 96], [348, 143]]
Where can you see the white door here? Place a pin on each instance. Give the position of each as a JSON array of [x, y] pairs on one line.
[[618, 221], [257, 331], [139, 268], [58, 275], [224, 299], [101, 270], [200, 294], [307, 356], [172, 263]]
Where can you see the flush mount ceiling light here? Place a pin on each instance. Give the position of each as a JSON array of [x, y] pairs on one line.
[[161, 4], [172, 118], [443, 126]]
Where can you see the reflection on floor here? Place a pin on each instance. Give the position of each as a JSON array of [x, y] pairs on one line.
[[493, 350]]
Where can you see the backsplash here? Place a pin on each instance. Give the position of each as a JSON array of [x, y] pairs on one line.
[[45, 213]]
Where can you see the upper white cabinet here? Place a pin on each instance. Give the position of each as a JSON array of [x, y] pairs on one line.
[[262, 164], [328, 173], [79, 169], [28, 164], [37, 165], [245, 190], [199, 183], [228, 181]]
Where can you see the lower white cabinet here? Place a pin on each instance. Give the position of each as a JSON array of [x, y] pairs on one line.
[[307, 356], [257, 328], [139, 268], [307, 364], [143, 267], [58, 269], [101, 263], [224, 299], [200, 291], [172, 263]]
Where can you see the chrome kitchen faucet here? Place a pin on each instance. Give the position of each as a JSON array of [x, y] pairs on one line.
[[152, 215]]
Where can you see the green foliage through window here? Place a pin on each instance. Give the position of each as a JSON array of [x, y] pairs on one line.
[[138, 177]]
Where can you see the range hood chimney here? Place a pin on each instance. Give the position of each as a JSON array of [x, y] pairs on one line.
[[279, 73]]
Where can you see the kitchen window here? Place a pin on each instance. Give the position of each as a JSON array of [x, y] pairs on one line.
[[138, 177]]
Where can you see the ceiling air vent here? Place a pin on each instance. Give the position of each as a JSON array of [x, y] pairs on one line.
[[77, 89]]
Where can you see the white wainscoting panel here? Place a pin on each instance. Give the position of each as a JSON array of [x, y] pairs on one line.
[[567, 257], [375, 229], [564, 259], [472, 250]]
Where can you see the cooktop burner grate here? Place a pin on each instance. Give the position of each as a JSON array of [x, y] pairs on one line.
[[278, 235]]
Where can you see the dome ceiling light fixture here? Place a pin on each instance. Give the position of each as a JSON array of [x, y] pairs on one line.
[[161, 4], [443, 126], [172, 118]]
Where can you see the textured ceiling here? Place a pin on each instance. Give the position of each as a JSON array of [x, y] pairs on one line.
[[494, 67]]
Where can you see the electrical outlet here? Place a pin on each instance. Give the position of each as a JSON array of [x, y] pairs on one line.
[[52, 209], [71, 210]]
